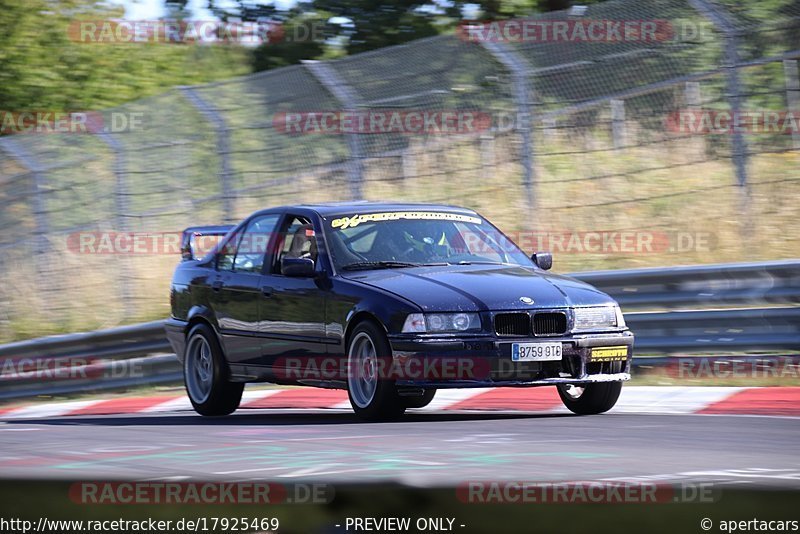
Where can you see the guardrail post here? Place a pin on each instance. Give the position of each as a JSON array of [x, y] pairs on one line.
[[350, 101], [223, 149], [792, 94], [122, 213], [521, 82]]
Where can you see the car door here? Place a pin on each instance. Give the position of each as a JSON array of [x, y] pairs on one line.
[[293, 313], [237, 289]]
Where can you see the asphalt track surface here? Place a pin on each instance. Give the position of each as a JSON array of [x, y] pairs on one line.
[[423, 449]]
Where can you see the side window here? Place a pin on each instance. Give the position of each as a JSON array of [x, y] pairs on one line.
[[298, 240], [253, 246], [228, 253]]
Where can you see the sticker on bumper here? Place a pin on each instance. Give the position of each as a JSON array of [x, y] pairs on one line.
[[609, 354]]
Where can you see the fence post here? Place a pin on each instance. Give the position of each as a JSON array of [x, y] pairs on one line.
[[792, 94], [408, 162], [692, 95], [350, 101], [122, 213], [550, 130], [618, 123], [719, 18], [40, 215], [223, 149], [694, 100], [521, 80], [486, 143]]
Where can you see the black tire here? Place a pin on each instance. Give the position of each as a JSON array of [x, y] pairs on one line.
[[372, 400], [595, 398], [211, 394], [420, 401]]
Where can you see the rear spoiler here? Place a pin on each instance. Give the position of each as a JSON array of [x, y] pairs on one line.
[[198, 241]]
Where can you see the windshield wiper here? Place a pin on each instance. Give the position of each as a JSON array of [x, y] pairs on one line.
[[364, 265]]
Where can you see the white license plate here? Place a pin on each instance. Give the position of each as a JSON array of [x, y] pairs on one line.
[[536, 352]]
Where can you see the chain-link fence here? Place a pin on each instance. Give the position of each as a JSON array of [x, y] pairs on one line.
[[573, 143]]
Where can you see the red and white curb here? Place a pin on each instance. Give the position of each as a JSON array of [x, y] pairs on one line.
[[774, 401]]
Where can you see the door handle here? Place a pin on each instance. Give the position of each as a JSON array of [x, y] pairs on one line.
[[266, 291], [217, 285]]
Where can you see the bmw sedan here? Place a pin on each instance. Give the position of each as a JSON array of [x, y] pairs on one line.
[[391, 302]]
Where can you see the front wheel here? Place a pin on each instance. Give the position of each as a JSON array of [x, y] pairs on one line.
[[590, 399], [372, 396], [205, 374]]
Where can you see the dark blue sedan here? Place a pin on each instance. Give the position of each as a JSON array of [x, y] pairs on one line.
[[391, 302]]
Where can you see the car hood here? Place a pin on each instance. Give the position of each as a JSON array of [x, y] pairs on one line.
[[482, 287]]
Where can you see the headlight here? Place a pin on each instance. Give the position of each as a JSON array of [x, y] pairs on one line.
[[598, 318], [441, 322], [620, 317]]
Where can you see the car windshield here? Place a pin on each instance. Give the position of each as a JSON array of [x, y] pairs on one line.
[[408, 239]]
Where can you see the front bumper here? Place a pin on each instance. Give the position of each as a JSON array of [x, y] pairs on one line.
[[482, 361]]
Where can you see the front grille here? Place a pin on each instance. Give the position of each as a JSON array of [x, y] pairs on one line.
[[549, 324], [512, 324]]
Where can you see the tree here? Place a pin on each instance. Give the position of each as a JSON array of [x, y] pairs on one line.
[[43, 67], [300, 33], [369, 24], [177, 8], [353, 26]]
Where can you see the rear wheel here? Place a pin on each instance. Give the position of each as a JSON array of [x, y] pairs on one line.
[[373, 397], [420, 401], [205, 374], [590, 399]]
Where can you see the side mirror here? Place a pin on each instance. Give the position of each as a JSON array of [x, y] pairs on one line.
[[187, 248], [298, 267], [543, 260]]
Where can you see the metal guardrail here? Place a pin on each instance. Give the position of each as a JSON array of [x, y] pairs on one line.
[[768, 329], [701, 285], [117, 343], [121, 357], [134, 355], [74, 376]]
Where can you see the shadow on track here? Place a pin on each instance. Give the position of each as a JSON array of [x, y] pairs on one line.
[[270, 419]]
